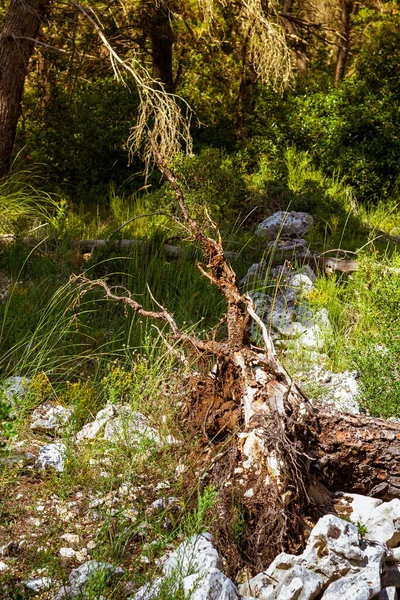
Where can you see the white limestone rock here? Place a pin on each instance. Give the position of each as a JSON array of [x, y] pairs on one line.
[[341, 391], [195, 555], [67, 552], [365, 583], [383, 523], [283, 247], [298, 285], [91, 430], [78, 578], [72, 539], [213, 586], [41, 584], [51, 457], [3, 567], [50, 417], [359, 507], [129, 427], [15, 386], [338, 536], [288, 588], [285, 225], [389, 593], [195, 565]]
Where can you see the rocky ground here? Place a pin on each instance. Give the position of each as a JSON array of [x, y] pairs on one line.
[[351, 554]]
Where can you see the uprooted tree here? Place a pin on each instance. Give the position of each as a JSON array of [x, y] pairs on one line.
[[269, 447]]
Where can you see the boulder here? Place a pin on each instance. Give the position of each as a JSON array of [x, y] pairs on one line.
[[196, 566], [337, 536], [214, 585], [358, 508], [284, 224], [383, 523]]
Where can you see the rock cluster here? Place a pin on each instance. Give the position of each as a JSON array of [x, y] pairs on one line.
[[284, 232], [338, 563], [120, 424], [292, 322]]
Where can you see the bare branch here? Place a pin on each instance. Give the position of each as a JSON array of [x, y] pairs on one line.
[[159, 112], [86, 285]]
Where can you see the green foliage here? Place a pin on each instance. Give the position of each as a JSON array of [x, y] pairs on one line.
[[80, 138], [22, 204], [7, 429], [377, 335], [201, 518]]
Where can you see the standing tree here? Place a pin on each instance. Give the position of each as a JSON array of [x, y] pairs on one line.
[[343, 39], [17, 39]]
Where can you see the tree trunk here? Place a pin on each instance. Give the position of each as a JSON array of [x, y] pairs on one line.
[[246, 98], [346, 9], [359, 454], [21, 26], [294, 39], [161, 44]]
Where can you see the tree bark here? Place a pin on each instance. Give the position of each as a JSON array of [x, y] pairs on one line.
[[359, 454], [346, 9], [162, 39], [294, 38], [21, 26]]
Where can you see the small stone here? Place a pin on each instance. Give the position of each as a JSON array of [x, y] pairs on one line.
[[165, 503], [51, 457], [67, 552], [39, 585], [82, 555], [72, 539], [9, 549], [3, 567]]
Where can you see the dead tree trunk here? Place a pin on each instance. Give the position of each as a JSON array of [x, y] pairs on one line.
[[21, 26], [266, 442]]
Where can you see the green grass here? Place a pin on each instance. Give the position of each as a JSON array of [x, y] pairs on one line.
[[83, 352]]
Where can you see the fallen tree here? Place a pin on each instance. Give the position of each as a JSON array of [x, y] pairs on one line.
[[267, 447]]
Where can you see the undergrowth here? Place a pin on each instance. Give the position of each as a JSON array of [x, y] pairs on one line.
[[84, 355]]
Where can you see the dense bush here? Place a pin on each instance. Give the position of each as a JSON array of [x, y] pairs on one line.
[[80, 139]]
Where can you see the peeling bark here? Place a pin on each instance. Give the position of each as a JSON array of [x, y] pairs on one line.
[[359, 454]]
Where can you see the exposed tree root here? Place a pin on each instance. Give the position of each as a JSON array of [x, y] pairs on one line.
[[259, 430]]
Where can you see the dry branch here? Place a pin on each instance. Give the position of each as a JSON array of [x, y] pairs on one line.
[[263, 430]]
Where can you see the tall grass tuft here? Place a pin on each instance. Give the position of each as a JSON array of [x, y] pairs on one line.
[[21, 200]]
